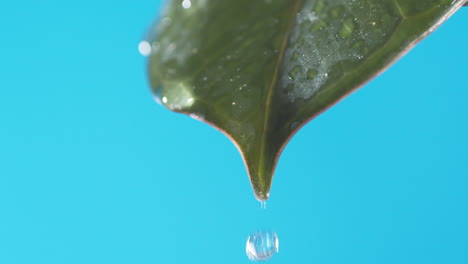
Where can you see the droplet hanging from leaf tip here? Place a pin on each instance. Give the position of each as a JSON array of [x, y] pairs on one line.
[[261, 196]]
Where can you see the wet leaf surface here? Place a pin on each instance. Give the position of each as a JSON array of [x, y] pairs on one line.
[[260, 70]]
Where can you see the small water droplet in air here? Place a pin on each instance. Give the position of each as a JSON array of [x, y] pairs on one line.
[[186, 4], [262, 245], [144, 48]]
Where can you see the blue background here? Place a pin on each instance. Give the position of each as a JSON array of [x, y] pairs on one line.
[[92, 170]]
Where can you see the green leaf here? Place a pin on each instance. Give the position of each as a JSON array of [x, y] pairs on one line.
[[258, 70]]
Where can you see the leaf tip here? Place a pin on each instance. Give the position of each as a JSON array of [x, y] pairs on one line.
[[262, 195]]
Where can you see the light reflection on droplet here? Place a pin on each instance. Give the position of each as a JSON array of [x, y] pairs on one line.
[[262, 245]]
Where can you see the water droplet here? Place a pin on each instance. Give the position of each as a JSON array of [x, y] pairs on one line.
[[144, 48], [347, 28], [311, 74], [262, 245], [294, 72], [186, 4]]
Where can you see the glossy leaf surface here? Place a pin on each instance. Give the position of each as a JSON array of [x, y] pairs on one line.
[[259, 70]]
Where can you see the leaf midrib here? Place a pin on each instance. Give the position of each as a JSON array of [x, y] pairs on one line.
[[271, 87]]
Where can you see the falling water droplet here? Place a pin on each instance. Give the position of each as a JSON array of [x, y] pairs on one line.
[[262, 245]]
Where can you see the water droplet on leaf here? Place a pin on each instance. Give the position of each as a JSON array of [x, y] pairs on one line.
[[294, 72]]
